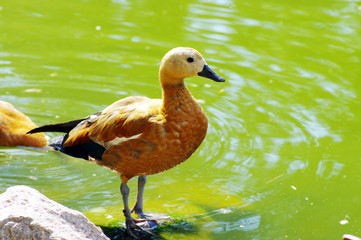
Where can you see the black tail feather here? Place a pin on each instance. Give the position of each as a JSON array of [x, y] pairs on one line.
[[58, 127]]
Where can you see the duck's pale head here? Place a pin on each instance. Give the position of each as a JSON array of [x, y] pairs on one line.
[[181, 62]]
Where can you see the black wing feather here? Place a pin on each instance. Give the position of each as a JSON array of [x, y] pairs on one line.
[[57, 127]]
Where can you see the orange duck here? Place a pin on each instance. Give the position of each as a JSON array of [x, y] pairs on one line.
[[13, 128], [138, 136]]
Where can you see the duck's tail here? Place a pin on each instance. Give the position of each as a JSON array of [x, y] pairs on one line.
[[86, 150], [65, 127]]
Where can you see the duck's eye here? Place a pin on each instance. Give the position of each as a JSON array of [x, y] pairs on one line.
[[190, 59]]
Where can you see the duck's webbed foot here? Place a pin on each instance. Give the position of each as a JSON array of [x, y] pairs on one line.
[[138, 229]]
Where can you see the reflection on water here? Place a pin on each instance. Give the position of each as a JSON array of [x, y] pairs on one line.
[[283, 130], [328, 168]]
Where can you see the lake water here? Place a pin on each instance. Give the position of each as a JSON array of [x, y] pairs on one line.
[[282, 157]]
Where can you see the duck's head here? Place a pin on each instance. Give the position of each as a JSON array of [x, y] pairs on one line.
[[180, 63]]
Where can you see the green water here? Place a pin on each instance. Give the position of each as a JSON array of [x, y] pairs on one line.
[[282, 157]]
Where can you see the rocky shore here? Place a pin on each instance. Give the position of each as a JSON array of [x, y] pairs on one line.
[[25, 214]]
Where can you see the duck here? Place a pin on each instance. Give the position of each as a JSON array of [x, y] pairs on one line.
[[138, 136], [13, 128]]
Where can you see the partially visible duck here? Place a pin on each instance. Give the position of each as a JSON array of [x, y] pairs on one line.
[[138, 136], [13, 128]]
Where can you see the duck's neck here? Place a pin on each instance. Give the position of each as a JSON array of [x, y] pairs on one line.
[[176, 97]]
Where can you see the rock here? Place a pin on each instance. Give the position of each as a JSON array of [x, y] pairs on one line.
[[27, 214]]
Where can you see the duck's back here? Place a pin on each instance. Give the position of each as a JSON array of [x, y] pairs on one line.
[[123, 119]]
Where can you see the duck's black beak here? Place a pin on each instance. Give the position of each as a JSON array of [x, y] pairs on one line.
[[207, 72]]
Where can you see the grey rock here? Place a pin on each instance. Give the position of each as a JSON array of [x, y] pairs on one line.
[[27, 214]]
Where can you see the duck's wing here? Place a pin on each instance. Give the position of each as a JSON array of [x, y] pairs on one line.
[[123, 119]]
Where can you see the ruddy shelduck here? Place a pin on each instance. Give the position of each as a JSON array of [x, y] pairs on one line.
[[13, 128], [138, 136]]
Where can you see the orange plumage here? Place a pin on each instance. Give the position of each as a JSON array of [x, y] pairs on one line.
[[166, 133], [13, 128]]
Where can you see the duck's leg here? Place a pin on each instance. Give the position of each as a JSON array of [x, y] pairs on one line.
[[138, 207], [133, 229]]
